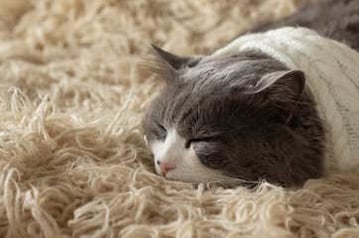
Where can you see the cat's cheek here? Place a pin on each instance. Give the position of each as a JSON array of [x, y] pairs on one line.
[[190, 169], [156, 148]]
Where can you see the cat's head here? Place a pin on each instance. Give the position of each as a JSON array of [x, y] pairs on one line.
[[228, 118]]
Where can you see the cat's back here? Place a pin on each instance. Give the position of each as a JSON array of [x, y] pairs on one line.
[[336, 19], [337, 65]]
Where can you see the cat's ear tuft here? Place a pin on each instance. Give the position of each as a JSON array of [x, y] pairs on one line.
[[174, 61], [160, 62]]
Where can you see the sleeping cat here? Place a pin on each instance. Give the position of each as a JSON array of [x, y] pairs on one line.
[[280, 103]]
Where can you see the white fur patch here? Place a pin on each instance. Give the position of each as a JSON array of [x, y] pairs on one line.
[[188, 166]]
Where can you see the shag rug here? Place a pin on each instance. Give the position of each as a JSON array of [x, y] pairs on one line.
[[73, 162]]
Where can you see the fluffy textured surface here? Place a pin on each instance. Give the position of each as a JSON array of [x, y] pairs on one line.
[[72, 158]]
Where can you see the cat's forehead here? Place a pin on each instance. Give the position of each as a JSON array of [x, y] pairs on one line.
[[210, 85], [222, 64], [219, 69]]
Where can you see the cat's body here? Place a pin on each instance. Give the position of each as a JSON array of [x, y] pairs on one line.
[[245, 116], [335, 19]]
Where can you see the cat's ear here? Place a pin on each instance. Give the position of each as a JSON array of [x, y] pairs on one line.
[[174, 61], [289, 83], [282, 88]]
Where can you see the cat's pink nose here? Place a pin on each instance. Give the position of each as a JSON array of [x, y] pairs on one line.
[[166, 166]]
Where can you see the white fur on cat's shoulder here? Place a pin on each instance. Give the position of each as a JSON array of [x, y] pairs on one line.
[[332, 74], [188, 167]]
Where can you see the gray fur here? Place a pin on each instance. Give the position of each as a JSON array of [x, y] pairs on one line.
[[247, 115]]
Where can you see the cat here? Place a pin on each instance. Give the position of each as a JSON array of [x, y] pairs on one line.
[[244, 116]]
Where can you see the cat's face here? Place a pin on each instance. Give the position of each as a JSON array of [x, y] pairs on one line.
[[221, 119]]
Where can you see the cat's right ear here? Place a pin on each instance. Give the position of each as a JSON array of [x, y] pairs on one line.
[[167, 64], [173, 61], [159, 62]]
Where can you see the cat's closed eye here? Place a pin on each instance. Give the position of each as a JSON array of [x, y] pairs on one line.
[[160, 126], [192, 141], [160, 131]]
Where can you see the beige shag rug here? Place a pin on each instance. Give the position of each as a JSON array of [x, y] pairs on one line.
[[72, 159]]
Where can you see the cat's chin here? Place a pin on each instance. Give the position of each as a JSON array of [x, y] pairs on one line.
[[209, 181]]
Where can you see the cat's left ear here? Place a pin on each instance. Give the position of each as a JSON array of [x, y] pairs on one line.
[[288, 84], [173, 61], [282, 89]]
